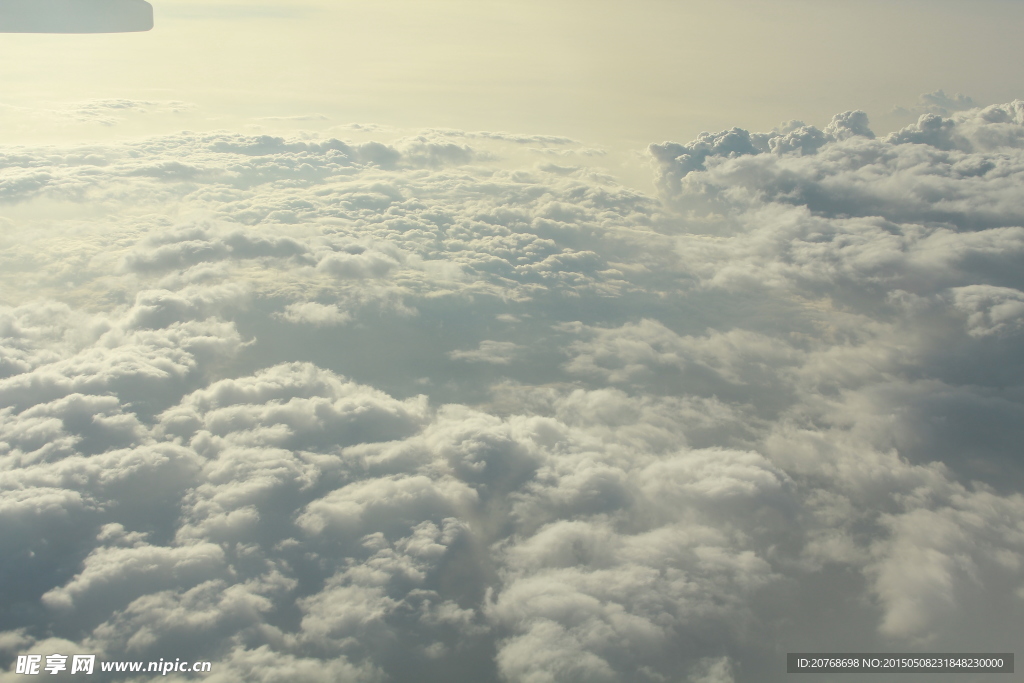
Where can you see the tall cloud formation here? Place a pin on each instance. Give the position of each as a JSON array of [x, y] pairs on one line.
[[317, 411]]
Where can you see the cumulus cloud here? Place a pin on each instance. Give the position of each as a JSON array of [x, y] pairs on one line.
[[489, 351], [314, 410], [938, 102], [312, 313]]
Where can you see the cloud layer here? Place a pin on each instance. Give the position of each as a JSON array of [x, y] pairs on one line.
[[319, 411]]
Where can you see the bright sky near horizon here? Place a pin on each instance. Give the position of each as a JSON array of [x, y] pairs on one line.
[[611, 73]]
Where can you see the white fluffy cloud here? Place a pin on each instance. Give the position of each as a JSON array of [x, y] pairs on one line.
[[320, 411]]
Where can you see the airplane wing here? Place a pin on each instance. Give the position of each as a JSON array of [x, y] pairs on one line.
[[75, 16]]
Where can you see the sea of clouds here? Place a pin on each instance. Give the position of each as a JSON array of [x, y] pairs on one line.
[[319, 411]]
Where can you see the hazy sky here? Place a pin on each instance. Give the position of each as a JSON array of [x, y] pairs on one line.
[[605, 71], [513, 342]]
